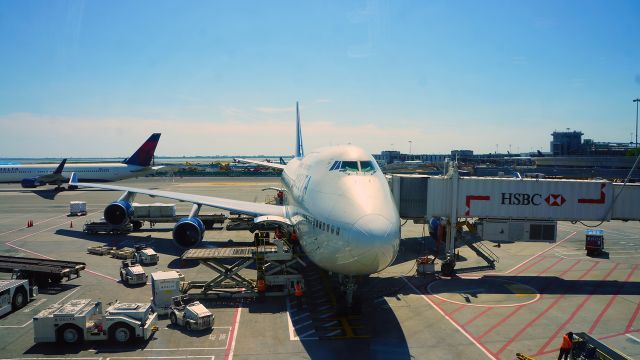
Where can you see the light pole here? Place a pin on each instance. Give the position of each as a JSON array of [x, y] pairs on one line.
[[637, 101], [410, 146]]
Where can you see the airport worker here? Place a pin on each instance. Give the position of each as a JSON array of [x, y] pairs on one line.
[[567, 344], [298, 294]]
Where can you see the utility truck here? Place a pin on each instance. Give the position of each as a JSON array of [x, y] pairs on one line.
[[84, 319], [190, 314], [131, 273]]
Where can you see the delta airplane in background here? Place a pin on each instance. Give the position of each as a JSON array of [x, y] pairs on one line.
[[336, 199], [34, 175]]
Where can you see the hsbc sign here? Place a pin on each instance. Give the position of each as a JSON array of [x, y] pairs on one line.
[[531, 199]]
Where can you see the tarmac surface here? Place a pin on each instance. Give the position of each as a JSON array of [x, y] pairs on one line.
[[537, 292]]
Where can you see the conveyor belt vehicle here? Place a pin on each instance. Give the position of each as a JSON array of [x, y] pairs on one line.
[[40, 271]]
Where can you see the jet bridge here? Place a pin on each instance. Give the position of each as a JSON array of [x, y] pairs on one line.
[[512, 201]]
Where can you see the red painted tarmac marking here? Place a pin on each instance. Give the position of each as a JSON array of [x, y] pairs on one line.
[[34, 224], [471, 338], [500, 322], [560, 275], [233, 332], [576, 311], [457, 309], [550, 266], [530, 266], [476, 317], [611, 301], [542, 252], [633, 318], [541, 314]]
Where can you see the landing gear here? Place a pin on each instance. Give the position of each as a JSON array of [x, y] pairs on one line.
[[348, 287]]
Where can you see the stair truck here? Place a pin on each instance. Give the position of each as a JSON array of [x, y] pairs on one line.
[[83, 319]]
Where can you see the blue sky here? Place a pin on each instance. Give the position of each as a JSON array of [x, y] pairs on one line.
[[95, 78]]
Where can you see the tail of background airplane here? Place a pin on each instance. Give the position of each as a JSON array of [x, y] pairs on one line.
[[60, 167], [299, 148], [144, 154]]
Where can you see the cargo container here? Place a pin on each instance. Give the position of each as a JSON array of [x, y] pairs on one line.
[[77, 208]]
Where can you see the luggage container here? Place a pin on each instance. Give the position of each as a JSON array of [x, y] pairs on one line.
[[594, 241], [77, 208]]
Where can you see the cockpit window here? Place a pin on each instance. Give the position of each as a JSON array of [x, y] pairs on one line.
[[367, 166], [349, 166]]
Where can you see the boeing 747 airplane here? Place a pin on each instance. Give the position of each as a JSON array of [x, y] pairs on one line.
[[336, 199], [33, 175]]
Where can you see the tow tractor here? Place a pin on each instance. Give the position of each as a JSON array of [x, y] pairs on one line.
[[190, 314], [83, 319], [132, 273], [15, 294]]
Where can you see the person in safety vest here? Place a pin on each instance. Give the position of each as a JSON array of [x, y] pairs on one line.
[[298, 294], [567, 344]]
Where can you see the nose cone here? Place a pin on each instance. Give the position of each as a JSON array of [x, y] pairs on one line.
[[374, 242]]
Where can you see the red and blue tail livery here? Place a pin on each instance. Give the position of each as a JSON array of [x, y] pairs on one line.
[[144, 155]]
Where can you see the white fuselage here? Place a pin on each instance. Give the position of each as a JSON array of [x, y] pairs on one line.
[[346, 220], [100, 172]]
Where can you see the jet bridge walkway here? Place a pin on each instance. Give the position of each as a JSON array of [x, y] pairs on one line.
[[529, 207]]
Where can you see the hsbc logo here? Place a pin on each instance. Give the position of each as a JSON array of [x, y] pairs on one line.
[[555, 200], [524, 199]]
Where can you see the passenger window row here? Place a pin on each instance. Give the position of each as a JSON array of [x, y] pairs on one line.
[[334, 230]]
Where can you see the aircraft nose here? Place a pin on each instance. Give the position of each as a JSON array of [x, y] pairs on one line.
[[375, 242]]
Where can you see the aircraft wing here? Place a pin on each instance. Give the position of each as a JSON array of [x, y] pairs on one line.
[[239, 206], [262, 163]]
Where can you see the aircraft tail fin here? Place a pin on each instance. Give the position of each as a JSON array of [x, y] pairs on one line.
[[299, 147], [60, 167], [144, 155]]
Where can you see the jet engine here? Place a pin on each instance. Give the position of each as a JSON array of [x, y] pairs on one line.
[[188, 232], [30, 183], [118, 212]]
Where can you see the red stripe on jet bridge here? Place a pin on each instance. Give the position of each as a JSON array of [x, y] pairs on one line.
[[599, 200], [610, 302], [471, 198]]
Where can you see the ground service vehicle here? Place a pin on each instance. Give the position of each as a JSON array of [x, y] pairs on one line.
[[190, 314], [145, 255], [131, 273], [15, 294], [102, 226], [84, 319], [40, 271], [165, 285]]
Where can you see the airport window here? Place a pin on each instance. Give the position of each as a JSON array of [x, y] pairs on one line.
[[349, 166], [367, 166]]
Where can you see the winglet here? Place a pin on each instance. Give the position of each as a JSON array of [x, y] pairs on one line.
[[58, 170], [73, 180], [299, 147]]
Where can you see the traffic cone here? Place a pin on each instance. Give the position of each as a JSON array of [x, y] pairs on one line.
[[28, 222], [71, 225]]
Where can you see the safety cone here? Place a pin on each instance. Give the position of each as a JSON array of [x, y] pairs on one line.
[[71, 225], [28, 222]]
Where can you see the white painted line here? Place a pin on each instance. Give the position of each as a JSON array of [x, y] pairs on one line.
[[541, 252], [304, 324], [300, 316], [303, 336], [229, 350], [17, 326], [463, 331], [333, 333], [331, 323], [633, 337], [69, 294], [34, 305]]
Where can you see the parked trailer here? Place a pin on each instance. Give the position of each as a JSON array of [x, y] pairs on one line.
[[15, 294], [41, 271], [166, 213], [84, 319], [97, 227]]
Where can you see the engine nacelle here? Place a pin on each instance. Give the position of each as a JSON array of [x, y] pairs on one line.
[[30, 183], [118, 212], [188, 232]]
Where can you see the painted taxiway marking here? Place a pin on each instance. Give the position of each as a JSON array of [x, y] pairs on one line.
[[231, 340], [452, 321]]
